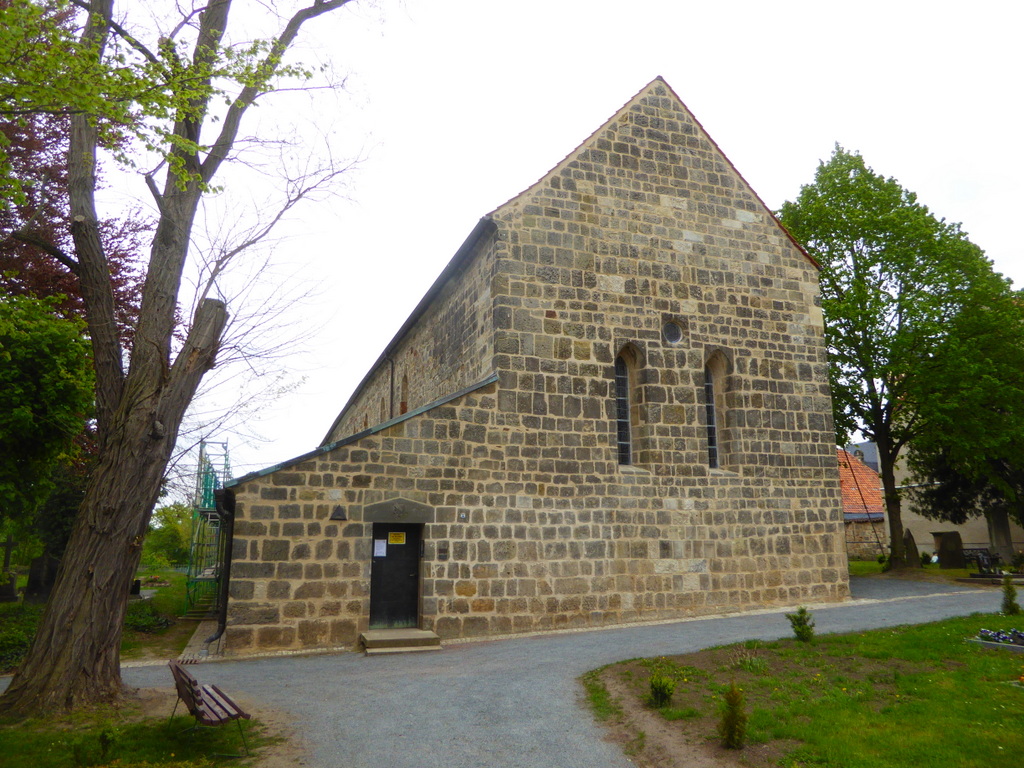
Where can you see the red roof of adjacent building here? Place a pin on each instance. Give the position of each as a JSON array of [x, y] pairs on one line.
[[862, 491]]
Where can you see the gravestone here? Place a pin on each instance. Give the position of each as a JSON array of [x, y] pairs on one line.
[[42, 574], [910, 548], [8, 587], [951, 549]]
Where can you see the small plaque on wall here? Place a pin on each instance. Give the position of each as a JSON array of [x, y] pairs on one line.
[[396, 537]]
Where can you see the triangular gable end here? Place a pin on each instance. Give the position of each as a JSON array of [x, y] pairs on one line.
[[688, 136]]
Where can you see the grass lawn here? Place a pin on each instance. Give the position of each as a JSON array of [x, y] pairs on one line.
[[931, 572], [918, 695], [106, 737]]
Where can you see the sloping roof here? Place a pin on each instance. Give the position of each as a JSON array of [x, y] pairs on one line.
[[484, 228], [862, 491], [327, 447]]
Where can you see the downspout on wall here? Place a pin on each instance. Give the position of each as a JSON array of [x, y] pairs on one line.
[[225, 499]]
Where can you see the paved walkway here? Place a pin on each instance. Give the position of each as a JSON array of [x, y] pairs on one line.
[[515, 703]]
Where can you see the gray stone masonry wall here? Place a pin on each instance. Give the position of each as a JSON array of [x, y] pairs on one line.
[[866, 540], [532, 522], [448, 349]]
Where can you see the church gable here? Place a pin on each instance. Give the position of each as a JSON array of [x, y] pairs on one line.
[[652, 164], [645, 250], [633, 422]]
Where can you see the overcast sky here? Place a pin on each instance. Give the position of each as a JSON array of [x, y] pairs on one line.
[[458, 105]]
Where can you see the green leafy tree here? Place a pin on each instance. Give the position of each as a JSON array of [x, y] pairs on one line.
[[967, 460], [182, 98], [911, 308], [170, 534], [46, 384]]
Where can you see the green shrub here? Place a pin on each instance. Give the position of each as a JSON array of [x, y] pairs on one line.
[[802, 623], [732, 728], [926, 559], [1010, 605], [662, 688], [142, 616], [17, 628]]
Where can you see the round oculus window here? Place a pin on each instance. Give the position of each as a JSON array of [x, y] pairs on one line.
[[672, 332]]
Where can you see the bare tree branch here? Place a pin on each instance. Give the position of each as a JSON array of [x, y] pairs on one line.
[[47, 247]]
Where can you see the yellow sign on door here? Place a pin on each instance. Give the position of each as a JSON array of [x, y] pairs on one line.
[[396, 537]]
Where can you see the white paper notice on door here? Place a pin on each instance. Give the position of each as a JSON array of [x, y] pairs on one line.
[[380, 547]]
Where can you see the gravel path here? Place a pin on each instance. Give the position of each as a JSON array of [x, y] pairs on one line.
[[515, 702]]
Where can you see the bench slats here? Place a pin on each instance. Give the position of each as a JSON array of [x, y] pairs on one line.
[[208, 704]]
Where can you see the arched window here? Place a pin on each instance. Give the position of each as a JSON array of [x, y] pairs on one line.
[[403, 404], [383, 410], [624, 438], [715, 371], [627, 404]]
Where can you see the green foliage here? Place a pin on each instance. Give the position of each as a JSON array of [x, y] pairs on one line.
[[802, 624], [923, 335], [732, 728], [46, 389], [1010, 606], [170, 534], [132, 93], [148, 618], [662, 688], [17, 628], [142, 616], [893, 276]]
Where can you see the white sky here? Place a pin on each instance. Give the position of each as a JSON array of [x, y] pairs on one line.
[[459, 105]]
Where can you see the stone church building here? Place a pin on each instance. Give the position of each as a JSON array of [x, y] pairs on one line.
[[611, 407]]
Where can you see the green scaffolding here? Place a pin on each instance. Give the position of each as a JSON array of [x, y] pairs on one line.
[[206, 553]]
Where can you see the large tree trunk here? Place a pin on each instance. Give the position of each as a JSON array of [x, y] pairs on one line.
[[75, 657], [893, 511]]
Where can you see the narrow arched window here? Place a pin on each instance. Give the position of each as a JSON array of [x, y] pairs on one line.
[[403, 404], [709, 408], [622, 407], [715, 406]]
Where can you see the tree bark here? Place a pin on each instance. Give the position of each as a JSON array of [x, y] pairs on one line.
[[75, 656], [893, 511]]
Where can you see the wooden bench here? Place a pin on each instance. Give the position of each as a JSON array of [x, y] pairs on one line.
[[208, 704], [985, 561]]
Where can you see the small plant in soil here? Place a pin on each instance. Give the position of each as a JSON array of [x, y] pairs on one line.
[[662, 688], [802, 623], [732, 729], [1010, 605]]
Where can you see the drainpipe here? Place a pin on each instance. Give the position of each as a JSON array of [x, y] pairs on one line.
[[392, 383], [226, 509]]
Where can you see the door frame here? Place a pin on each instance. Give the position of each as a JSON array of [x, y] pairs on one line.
[[380, 533]]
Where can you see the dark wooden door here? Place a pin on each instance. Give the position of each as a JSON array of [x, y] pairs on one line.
[[395, 576]]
